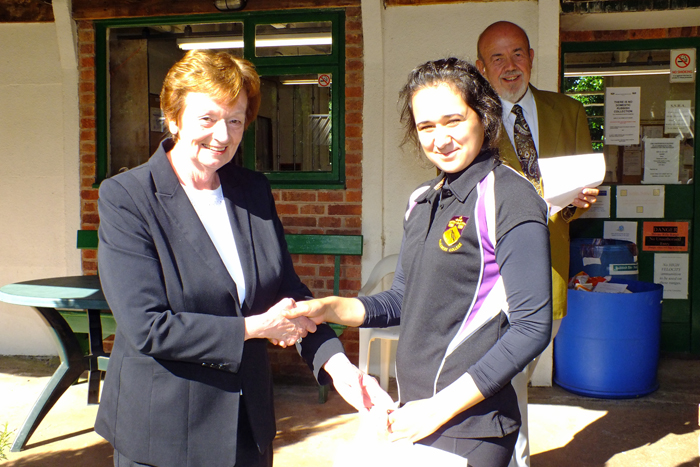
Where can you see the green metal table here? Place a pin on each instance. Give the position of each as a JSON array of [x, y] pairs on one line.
[[47, 297]]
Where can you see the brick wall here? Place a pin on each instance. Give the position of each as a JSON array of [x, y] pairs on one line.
[[301, 211], [89, 219]]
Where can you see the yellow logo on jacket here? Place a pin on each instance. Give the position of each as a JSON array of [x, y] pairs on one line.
[[452, 234]]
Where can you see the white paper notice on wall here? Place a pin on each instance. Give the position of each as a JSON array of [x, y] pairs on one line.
[[678, 120], [622, 115], [631, 162], [653, 131], [616, 230], [671, 271], [157, 121], [661, 160], [635, 201], [682, 66]]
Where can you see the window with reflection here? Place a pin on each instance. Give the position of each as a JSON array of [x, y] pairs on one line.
[[662, 113], [298, 136], [293, 130], [139, 58], [289, 39]]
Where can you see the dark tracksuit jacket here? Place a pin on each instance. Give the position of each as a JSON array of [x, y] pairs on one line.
[[472, 291]]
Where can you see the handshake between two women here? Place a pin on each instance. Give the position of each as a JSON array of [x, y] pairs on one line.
[[288, 322], [278, 325]]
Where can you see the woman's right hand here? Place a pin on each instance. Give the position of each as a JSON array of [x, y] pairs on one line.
[[277, 327], [314, 309], [340, 310]]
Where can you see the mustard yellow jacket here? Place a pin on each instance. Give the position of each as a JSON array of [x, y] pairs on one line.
[[563, 131]]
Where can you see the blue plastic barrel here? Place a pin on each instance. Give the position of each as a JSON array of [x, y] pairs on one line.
[[608, 344], [603, 257]]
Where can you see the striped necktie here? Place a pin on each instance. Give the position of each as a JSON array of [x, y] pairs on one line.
[[525, 148]]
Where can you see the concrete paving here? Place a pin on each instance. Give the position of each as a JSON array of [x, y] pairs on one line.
[[658, 430]]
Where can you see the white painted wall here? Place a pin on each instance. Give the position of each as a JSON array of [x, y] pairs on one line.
[[39, 190]]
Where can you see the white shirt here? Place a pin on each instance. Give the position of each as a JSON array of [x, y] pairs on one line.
[[211, 209], [529, 112]]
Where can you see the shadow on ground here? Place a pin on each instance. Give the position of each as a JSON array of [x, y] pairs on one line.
[[657, 430], [660, 418], [299, 414], [99, 455], [618, 432], [28, 366]]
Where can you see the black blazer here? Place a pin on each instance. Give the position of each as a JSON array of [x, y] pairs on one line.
[[179, 363]]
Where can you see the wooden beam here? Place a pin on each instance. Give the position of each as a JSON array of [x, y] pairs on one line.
[[26, 11], [107, 9]]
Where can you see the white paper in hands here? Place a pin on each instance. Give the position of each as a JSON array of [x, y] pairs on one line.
[[371, 448], [564, 177]]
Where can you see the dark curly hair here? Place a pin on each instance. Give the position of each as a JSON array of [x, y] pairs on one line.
[[465, 79]]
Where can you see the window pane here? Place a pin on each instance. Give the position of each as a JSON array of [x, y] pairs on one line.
[[226, 36], [139, 58], [293, 129], [291, 39], [587, 77]]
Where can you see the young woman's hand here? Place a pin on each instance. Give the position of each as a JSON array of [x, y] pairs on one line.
[[315, 310], [340, 310], [415, 420], [418, 419]]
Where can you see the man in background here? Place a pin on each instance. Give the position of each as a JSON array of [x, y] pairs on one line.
[[537, 124]]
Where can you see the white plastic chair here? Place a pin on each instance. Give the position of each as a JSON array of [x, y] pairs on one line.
[[384, 267]]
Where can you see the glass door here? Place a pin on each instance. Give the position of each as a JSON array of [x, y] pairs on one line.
[[640, 98]]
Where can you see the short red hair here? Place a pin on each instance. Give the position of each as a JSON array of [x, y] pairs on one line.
[[219, 75]]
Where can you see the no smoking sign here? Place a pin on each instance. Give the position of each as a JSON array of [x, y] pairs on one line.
[[682, 61], [682, 66], [324, 80]]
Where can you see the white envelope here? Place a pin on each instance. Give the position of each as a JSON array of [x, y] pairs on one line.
[[564, 177], [370, 448]]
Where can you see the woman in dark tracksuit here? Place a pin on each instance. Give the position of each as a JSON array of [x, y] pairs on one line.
[[472, 289]]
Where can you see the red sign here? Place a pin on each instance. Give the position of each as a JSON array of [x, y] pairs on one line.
[[665, 236], [682, 60], [324, 80]]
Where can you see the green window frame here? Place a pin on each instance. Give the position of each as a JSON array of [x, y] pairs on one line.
[[333, 63]]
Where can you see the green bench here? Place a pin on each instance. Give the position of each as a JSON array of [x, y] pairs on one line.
[[337, 246], [301, 244]]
